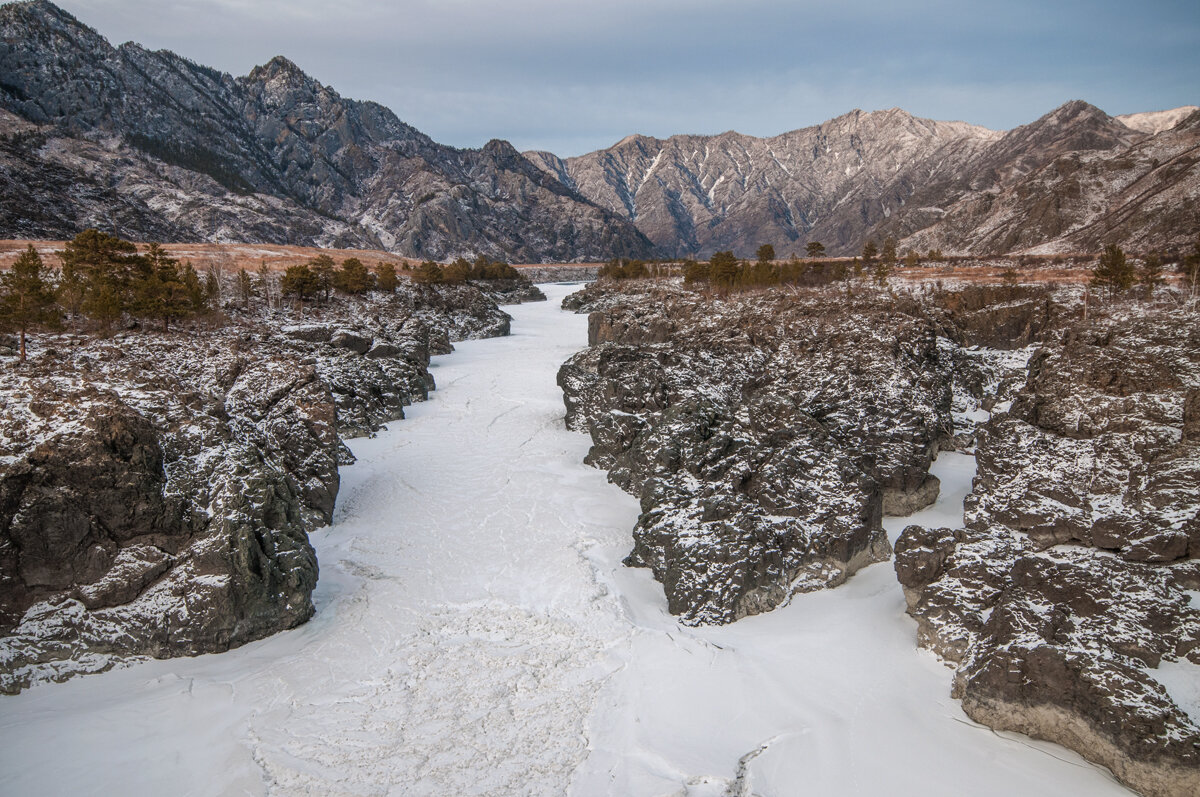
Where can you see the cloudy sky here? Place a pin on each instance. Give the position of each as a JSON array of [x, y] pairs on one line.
[[572, 76]]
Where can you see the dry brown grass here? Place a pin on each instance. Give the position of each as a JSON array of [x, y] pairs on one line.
[[1042, 269], [232, 257], [229, 257]]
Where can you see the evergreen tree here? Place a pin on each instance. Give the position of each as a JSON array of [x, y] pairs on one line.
[[196, 293], [1113, 271], [27, 297], [911, 259], [724, 269], [430, 273], [300, 282], [883, 270], [385, 277], [869, 251], [322, 268], [212, 289], [814, 249], [245, 288], [695, 271], [1150, 274], [458, 271], [889, 251], [159, 291], [353, 277], [766, 253], [101, 267]]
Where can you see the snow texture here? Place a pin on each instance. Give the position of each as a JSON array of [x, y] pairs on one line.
[[476, 634]]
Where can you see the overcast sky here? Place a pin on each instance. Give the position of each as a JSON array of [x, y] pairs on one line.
[[572, 76]]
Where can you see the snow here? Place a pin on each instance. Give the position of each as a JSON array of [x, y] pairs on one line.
[[476, 633], [1181, 679]]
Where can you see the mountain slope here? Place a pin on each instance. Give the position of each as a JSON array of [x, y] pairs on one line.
[[1143, 195], [870, 175], [831, 182], [273, 156]]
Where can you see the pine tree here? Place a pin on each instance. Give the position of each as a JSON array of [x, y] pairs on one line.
[[27, 297], [1113, 271], [301, 282], [385, 277], [458, 271], [430, 273], [245, 288], [1150, 274], [353, 277], [883, 270], [196, 294], [814, 249], [160, 291], [724, 269], [889, 251], [322, 268], [869, 251], [101, 267], [766, 253]]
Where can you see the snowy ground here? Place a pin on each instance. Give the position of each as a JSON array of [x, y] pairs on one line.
[[476, 634]]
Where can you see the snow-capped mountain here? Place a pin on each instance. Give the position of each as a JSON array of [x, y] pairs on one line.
[[152, 145]]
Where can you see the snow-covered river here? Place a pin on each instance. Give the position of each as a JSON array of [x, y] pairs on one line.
[[476, 634]]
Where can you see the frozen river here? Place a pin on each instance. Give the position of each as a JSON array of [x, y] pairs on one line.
[[476, 634]]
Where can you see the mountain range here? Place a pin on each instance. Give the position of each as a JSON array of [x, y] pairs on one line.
[[150, 145]]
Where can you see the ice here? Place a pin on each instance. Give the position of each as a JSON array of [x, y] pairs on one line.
[[476, 633]]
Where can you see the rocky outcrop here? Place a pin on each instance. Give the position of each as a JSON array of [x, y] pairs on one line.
[[1068, 587], [580, 273], [151, 146], [764, 434], [157, 489]]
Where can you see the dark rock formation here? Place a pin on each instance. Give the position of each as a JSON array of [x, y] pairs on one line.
[[1068, 586], [765, 434], [151, 146], [157, 489]]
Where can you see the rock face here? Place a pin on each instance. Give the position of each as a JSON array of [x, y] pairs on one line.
[[765, 434], [150, 145], [1068, 586], [157, 489], [1072, 180], [1139, 195]]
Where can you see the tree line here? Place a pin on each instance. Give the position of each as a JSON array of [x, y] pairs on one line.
[[1116, 274], [103, 280]]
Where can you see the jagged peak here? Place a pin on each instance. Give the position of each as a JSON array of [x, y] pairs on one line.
[[1074, 109], [637, 138], [499, 148], [280, 67]]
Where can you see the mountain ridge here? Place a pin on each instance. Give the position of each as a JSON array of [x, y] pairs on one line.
[[857, 176], [292, 160], [149, 144]]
